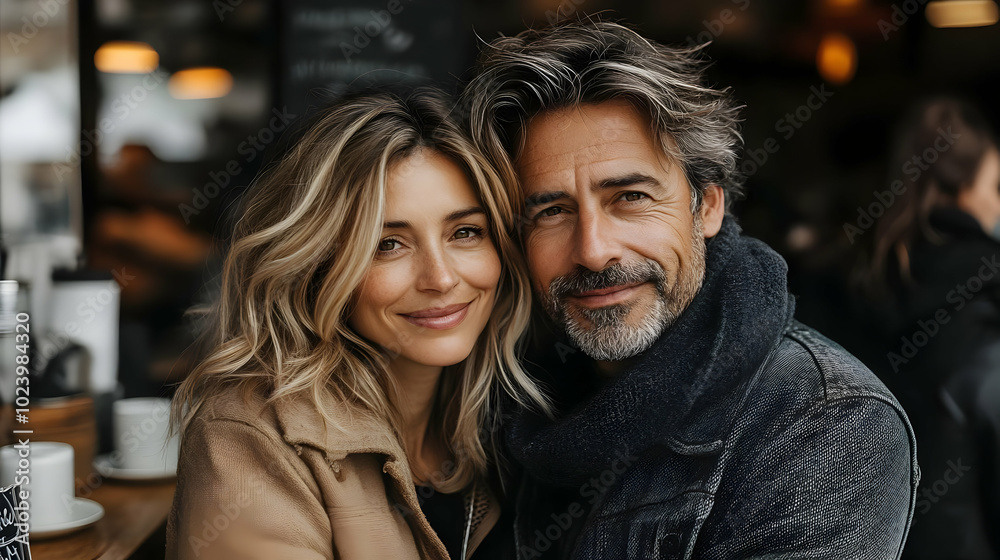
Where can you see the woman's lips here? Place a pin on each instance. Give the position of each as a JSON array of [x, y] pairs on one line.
[[440, 317], [606, 296]]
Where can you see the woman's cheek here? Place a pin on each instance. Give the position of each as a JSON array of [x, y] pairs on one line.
[[380, 290], [488, 269]]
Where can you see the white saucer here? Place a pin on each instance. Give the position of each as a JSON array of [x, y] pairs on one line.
[[108, 469], [85, 513]]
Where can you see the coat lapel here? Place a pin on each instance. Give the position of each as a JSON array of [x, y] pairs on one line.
[[358, 432]]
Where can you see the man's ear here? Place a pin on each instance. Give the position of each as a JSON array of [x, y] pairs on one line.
[[713, 209]]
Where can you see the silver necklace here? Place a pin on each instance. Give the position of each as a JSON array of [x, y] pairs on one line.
[[468, 523]]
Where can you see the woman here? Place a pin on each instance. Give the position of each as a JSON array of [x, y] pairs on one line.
[[933, 302], [371, 303]]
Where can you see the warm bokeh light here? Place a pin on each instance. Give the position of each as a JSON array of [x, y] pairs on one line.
[[126, 57], [200, 83], [962, 13], [843, 6], [837, 58]]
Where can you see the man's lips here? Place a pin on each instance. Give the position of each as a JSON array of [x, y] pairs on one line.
[[606, 296], [439, 317]]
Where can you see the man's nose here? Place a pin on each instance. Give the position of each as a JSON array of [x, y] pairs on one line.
[[596, 247]]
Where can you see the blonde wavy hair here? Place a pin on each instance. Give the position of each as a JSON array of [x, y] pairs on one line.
[[308, 231]]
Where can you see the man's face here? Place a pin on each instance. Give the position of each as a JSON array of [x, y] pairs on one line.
[[614, 250]]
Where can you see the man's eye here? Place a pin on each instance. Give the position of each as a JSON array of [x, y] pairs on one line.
[[387, 245], [633, 196], [551, 211]]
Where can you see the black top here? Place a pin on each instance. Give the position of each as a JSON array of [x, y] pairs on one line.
[[446, 514]]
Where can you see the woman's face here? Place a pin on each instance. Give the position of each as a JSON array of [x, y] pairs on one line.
[[432, 284]]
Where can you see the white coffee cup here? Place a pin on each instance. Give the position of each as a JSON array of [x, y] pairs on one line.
[[141, 427], [45, 470]]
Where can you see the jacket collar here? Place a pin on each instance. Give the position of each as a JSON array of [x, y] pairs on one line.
[[357, 431], [353, 430], [685, 391]]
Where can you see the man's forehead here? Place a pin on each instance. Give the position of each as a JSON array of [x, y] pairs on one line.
[[591, 134], [608, 120]]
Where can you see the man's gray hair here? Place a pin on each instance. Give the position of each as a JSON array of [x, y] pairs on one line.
[[579, 62]]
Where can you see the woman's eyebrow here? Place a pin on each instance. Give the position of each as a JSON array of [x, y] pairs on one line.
[[464, 213], [454, 216]]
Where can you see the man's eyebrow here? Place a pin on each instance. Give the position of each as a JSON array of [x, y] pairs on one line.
[[627, 181], [456, 215], [544, 197]]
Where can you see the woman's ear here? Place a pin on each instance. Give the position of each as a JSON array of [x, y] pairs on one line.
[[713, 209]]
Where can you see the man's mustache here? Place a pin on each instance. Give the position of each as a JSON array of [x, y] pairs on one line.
[[584, 280]]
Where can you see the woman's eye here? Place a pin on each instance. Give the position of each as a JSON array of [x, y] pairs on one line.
[[468, 232], [633, 196], [387, 245]]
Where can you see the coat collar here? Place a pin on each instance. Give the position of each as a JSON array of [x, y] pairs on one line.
[[353, 431], [358, 431], [685, 391]]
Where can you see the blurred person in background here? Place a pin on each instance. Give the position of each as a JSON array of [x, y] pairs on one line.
[[932, 307], [371, 305]]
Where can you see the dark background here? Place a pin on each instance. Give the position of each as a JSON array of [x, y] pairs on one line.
[[296, 54]]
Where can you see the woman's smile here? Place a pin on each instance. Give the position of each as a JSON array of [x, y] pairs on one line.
[[439, 318]]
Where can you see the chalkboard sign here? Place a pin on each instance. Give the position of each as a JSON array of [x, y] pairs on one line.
[[13, 525], [327, 46]]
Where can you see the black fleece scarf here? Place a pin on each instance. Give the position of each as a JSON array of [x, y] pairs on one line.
[[684, 389]]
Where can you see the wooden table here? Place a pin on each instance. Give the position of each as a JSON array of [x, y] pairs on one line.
[[132, 512]]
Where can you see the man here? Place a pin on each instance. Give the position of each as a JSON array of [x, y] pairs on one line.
[[698, 419]]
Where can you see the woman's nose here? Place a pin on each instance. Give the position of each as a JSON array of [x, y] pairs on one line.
[[437, 274]]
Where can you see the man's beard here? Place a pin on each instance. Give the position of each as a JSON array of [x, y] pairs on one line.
[[605, 333]]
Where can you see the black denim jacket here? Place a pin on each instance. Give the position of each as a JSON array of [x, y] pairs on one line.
[[741, 434]]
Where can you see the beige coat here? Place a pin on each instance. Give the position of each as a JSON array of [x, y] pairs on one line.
[[269, 482]]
